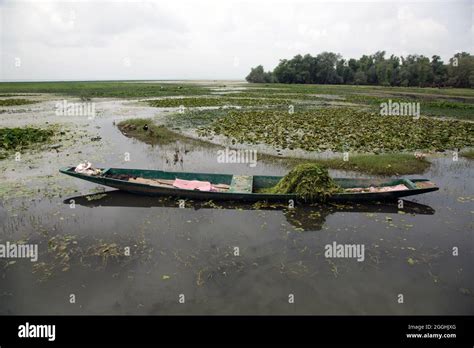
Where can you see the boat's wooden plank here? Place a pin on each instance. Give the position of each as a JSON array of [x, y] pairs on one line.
[[221, 186], [166, 182], [241, 184], [424, 184], [152, 182]]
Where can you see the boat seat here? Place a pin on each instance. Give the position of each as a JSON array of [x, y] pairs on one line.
[[241, 184]]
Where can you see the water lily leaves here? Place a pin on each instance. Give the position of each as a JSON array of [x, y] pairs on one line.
[[342, 128], [15, 138], [215, 101]]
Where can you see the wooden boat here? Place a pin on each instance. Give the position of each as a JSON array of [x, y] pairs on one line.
[[243, 188]]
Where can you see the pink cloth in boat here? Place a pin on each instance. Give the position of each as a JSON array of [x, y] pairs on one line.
[[399, 187], [193, 185]]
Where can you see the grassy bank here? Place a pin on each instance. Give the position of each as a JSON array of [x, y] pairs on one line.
[[148, 132], [469, 154]]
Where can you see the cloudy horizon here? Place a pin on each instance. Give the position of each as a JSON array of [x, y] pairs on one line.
[[212, 39]]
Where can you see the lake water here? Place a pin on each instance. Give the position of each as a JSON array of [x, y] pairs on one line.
[[216, 258]]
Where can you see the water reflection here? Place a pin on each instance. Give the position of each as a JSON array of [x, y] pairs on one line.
[[311, 217]]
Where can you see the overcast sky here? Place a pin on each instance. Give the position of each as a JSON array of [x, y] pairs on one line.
[[214, 39]]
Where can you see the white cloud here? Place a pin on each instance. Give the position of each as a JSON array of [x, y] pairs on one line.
[[190, 39]]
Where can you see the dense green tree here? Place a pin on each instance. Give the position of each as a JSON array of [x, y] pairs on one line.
[[375, 69], [460, 70], [439, 71], [258, 75], [360, 78], [326, 68]]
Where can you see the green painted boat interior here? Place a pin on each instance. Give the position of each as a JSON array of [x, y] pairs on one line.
[[158, 174]]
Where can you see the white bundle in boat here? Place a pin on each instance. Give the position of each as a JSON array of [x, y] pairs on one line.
[[86, 168]]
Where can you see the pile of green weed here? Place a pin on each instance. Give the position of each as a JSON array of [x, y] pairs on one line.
[[309, 181]]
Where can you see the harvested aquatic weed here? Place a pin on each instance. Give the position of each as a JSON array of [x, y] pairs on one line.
[[309, 181]]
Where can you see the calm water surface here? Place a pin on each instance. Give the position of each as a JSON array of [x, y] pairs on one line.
[[190, 251]]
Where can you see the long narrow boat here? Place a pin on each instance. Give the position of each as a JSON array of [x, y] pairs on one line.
[[245, 188]]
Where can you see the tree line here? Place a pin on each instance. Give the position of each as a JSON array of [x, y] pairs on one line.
[[376, 69]]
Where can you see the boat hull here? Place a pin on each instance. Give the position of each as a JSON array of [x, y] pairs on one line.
[[263, 181]]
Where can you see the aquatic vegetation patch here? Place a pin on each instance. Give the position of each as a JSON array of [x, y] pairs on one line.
[[9, 190], [216, 101], [341, 129], [194, 118], [451, 105], [309, 181], [104, 89], [13, 102], [381, 164], [67, 251], [14, 138], [17, 139], [442, 108], [282, 95], [375, 164]]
